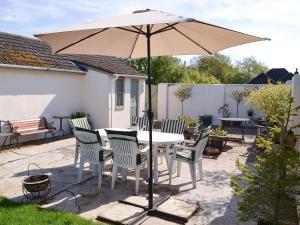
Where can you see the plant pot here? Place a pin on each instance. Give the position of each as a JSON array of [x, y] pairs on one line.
[[190, 130], [263, 222], [216, 143], [206, 120]]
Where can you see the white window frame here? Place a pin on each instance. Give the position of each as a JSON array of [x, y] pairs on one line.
[[120, 93]]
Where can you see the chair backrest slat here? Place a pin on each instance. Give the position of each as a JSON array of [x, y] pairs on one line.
[[90, 144], [142, 122], [125, 147], [200, 143], [173, 126], [81, 123]]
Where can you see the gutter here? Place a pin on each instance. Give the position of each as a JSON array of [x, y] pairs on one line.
[[131, 76], [10, 66]]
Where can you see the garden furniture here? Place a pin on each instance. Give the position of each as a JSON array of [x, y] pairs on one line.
[[192, 155], [5, 132], [81, 123], [231, 122], [142, 122], [91, 151], [126, 154], [30, 126], [60, 130], [158, 139]]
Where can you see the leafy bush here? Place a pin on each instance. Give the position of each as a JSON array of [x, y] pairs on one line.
[[78, 115], [224, 111], [189, 121], [219, 132], [183, 92], [265, 189], [271, 100]]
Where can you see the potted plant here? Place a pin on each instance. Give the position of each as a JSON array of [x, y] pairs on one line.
[[76, 115], [206, 120], [250, 112], [191, 124], [217, 138]]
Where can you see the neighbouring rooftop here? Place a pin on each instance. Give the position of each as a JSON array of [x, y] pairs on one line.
[[26, 51]]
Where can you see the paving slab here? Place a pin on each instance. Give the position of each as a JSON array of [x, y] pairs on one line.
[[119, 213], [150, 220], [179, 207]]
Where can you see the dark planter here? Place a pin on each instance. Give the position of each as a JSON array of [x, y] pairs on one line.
[[216, 143], [263, 222], [206, 120]]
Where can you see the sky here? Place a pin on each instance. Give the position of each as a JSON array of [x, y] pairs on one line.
[[275, 19]]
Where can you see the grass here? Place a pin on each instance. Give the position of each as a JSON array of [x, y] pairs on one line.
[[12, 213]]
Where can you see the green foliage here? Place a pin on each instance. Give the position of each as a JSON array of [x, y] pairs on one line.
[[183, 92], [189, 121], [213, 69], [271, 100], [219, 132], [12, 213], [224, 111], [265, 190], [78, 115], [251, 66]]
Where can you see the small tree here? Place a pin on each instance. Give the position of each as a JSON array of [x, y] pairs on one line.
[[238, 96], [265, 191], [183, 93]]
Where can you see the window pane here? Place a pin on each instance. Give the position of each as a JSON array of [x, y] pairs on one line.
[[119, 92]]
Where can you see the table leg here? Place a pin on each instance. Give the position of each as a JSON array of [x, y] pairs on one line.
[[155, 164]]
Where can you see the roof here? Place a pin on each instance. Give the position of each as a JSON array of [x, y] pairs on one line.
[[25, 51], [274, 76]]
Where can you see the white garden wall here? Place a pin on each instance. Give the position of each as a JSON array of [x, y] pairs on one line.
[[206, 99], [296, 94]]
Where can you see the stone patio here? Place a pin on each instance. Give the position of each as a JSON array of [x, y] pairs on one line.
[[213, 196]]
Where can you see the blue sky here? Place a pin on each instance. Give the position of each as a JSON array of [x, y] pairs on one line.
[[276, 19]]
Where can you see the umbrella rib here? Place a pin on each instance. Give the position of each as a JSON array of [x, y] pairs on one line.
[[82, 39], [180, 32], [137, 36], [167, 28], [133, 31]]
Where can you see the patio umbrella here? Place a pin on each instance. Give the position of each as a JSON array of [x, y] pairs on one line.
[[145, 33]]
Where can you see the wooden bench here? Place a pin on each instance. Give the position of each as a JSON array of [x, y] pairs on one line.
[[31, 126]]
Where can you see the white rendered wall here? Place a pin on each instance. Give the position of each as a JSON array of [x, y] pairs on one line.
[[296, 94], [95, 97], [206, 99], [28, 94]]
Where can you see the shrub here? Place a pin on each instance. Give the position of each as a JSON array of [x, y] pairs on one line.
[[78, 115], [219, 132]]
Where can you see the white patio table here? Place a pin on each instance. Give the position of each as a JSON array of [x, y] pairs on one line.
[[158, 138]]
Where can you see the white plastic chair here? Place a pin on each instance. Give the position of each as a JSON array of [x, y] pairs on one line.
[[190, 155], [91, 151], [81, 123], [126, 154]]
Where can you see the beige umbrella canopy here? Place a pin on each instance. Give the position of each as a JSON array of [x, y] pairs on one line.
[[145, 33], [170, 35]]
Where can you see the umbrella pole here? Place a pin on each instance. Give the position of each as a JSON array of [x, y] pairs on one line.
[[150, 117]]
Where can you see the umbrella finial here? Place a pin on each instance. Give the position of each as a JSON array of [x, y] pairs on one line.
[[141, 10]]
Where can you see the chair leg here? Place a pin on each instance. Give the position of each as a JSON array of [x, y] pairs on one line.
[[200, 171], [124, 172], [76, 155], [100, 171], [178, 168], [137, 179], [114, 175], [171, 170], [80, 170], [95, 169], [193, 173]]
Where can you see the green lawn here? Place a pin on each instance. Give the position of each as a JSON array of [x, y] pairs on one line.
[[12, 213]]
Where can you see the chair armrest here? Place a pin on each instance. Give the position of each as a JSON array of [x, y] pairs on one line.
[[145, 150], [178, 147], [188, 142], [106, 148]]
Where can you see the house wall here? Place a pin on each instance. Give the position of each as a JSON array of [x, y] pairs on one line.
[[95, 97], [31, 93], [121, 117], [206, 99], [28, 94]]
